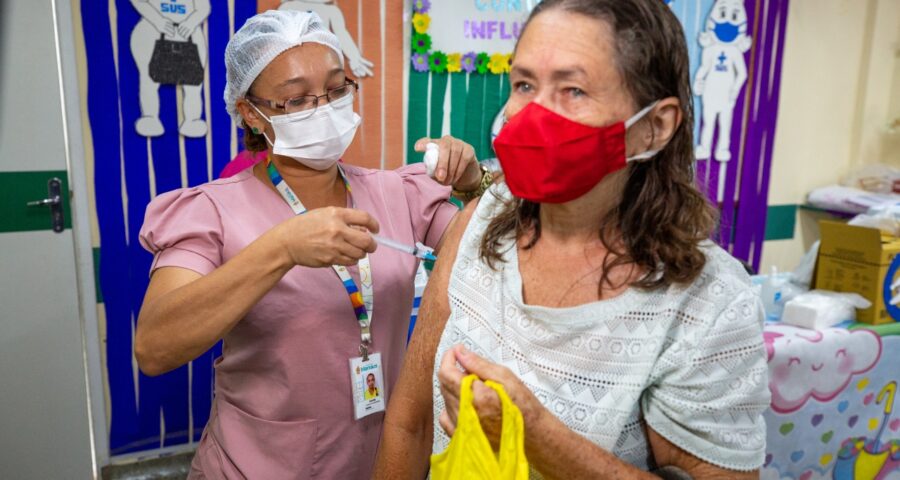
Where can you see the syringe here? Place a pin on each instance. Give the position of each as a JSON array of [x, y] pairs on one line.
[[418, 251]]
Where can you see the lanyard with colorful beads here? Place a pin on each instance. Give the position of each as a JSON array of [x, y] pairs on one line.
[[362, 303]]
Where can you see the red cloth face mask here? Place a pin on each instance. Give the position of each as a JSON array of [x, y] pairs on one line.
[[547, 158]]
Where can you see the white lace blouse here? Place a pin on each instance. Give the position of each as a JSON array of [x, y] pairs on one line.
[[688, 361]]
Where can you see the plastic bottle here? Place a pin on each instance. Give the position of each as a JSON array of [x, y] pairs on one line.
[[773, 295]]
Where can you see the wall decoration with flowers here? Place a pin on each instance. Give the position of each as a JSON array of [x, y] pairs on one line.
[[424, 59], [458, 86]]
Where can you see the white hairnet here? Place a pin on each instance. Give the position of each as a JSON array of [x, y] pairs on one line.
[[260, 40]]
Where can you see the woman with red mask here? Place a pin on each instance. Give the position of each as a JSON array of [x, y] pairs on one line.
[[585, 283]]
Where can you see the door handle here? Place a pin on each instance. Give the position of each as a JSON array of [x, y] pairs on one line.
[[54, 201], [46, 201]]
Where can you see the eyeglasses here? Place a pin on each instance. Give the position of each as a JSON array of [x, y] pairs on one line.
[[308, 104]]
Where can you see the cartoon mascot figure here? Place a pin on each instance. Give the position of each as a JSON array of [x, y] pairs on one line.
[[722, 74], [175, 23]]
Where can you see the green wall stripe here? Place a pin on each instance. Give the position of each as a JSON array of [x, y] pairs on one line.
[[417, 123], [504, 96], [97, 275], [492, 102], [438, 94], [474, 112], [458, 94], [504, 90], [473, 107], [781, 221], [19, 188]]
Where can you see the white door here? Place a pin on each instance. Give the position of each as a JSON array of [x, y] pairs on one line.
[[46, 413]]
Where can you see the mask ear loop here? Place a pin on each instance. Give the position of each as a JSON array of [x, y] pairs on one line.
[[266, 117], [638, 116], [630, 122], [500, 121]]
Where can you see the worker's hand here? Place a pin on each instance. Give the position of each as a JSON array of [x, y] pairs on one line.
[[328, 236], [457, 165]]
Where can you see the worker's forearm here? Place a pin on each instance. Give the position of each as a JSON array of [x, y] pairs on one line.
[[178, 326]]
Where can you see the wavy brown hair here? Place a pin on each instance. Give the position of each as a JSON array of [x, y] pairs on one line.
[[662, 217]]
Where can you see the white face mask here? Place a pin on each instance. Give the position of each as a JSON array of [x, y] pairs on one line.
[[317, 141]]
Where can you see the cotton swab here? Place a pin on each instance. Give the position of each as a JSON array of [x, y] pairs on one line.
[[432, 152]]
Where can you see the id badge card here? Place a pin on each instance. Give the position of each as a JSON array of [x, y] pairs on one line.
[[367, 380]]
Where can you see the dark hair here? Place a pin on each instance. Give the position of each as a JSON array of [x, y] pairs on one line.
[[662, 217], [255, 142]]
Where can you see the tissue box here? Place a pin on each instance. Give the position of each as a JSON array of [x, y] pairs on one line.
[[864, 261]]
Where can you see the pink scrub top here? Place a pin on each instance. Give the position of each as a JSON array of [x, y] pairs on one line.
[[282, 407]]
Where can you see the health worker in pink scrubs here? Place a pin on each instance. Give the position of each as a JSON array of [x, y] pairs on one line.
[[280, 261]]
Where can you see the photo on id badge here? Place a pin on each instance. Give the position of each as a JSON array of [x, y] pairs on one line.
[[369, 395]]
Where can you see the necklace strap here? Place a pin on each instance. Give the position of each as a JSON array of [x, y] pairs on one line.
[[361, 299]]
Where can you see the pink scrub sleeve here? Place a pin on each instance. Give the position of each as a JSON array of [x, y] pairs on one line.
[[183, 229], [429, 208]]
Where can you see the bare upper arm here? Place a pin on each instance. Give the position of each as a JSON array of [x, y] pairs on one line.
[[451, 227], [435, 303], [411, 402], [167, 279], [665, 453]]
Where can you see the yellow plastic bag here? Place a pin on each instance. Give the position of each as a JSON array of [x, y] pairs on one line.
[[470, 455]]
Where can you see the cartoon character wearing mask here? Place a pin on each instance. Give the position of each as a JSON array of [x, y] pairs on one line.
[[333, 17], [722, 74], [176, 22]]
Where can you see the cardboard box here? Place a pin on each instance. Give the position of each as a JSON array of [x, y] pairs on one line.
[[864, 261]]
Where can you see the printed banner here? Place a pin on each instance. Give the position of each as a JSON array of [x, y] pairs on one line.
[[833, 398], [490, 26]]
